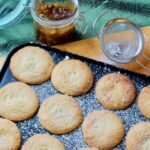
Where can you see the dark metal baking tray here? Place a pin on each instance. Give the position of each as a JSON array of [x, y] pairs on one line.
[[74, 140]]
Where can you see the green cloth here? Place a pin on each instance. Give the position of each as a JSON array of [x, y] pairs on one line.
[[135, 10]]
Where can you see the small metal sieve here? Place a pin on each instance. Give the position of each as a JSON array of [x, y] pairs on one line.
[[121, 40]]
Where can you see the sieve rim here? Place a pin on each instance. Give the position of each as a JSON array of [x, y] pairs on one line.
[[136, 29]]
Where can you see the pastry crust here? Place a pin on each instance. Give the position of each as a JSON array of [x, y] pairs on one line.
[[10, 137], [60, 114], [102, 129], [115, 91], [43, 141], [31, 65], [144, 102], [72, 77], [138, 137], [89, 148], [18, 101]]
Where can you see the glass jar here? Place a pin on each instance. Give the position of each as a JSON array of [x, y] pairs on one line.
[[52, 32], [48, 31]]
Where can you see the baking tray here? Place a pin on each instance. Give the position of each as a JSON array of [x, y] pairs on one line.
[[74, 140]]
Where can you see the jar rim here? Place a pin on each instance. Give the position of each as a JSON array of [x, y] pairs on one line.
[[52, 23]]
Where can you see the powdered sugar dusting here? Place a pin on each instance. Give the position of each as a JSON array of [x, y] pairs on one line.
[[74, 140], [121, 51]]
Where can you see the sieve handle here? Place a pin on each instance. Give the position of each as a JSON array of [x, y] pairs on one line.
[[142, 65], [98, 19]]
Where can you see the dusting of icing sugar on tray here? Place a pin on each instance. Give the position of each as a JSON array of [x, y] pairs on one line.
[[74, 140]]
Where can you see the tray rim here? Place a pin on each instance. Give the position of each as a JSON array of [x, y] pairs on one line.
[[58, 51], [62, 52]]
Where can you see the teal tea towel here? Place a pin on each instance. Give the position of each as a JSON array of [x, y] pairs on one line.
[[23, 31]]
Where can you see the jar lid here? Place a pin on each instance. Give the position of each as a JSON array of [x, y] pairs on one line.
[[11, 12], [121, 40]]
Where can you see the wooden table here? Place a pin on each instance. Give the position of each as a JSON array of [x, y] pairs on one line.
[[2, 59], [91, 48]]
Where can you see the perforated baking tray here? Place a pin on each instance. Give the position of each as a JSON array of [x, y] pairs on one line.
[[74, 140]]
